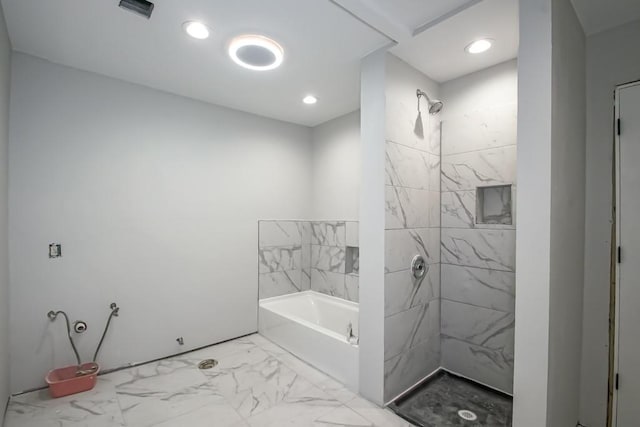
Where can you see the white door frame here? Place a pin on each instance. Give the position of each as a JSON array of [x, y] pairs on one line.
[[614, 406]]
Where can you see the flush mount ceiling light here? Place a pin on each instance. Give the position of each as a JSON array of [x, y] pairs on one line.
[[479, 46], [256, 52], [197, 30], [309, 99]]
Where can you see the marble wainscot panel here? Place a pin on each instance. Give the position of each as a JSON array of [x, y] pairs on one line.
[[282, 257], [402, 245], [490, 127], [491, 367], [467, 171], [295, 256], [492, 249], [478, 286], [331, 243]]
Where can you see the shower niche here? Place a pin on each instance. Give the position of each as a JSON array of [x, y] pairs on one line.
[[494, 205]]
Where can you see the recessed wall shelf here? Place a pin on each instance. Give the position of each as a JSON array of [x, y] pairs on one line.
[[493, 205], [352, 264]]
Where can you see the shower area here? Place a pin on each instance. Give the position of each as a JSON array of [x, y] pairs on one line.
[[447, 281], [450, 191]]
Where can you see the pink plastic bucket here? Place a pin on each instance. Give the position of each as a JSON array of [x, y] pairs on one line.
[[72, 379]]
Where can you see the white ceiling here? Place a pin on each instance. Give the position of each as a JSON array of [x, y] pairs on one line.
[[323, 46], [600, 15], [439, 50], [324, 41]]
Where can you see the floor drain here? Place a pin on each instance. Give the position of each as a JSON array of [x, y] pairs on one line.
[[467, 415], [207, 364]]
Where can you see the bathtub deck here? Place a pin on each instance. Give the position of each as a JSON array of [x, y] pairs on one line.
[[255, 384]]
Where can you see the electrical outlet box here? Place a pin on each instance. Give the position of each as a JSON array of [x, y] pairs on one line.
[[55, 250]]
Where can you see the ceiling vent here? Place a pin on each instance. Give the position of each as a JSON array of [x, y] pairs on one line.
[[141, 7]]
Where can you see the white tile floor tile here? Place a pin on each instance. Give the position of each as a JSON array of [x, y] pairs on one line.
[[256, 384]]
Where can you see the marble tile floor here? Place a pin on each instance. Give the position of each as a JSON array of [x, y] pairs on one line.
[[437, 402], [256, 383]]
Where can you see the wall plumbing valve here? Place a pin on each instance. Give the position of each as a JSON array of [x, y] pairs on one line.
[[80, 326]]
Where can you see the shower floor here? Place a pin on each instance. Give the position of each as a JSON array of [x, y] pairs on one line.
[[436, 403]]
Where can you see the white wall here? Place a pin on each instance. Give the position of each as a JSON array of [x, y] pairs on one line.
[[610, 62], [5, 73], [479, 143], [155, 199], [336, 168], [567, 215], [371, 233], [412, 226], [534, 212], [550, 240]]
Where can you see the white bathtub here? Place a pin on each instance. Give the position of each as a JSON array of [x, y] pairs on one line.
[[314, 327]]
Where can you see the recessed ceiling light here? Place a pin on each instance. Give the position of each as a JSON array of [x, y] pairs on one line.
[[309, 99], [197, 30], [479, 46], [256, 52]]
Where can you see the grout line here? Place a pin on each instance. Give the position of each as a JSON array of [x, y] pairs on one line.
[[480, 149], [479, 268], [474, 344], [477, 306]]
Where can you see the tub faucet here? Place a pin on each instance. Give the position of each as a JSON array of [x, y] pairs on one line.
[[351, 337]]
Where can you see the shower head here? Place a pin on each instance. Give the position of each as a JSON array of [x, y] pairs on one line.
[[435, 105]]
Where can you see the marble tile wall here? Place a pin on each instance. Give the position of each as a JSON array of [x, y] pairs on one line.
[[295, 256], [478, 260], [412, 226]]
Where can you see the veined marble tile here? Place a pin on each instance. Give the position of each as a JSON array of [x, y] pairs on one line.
[[467, 171], [328, 258], [352, 287], [305, 257], [483, 248], [487, 127], [144, 407], [328, 233], [305, 279], [255, 382], [406, 369], [402, 291], [490, 367], [280, 283], [377, 415], [434, 209], [279, 233], [481, 326], [435, 172], [223, 414], [337, 390], [342, 416], [299, 407], [404, 125], [435, 136], [97, 407], [412, 327], [407, 167], [485, 288], [328, 282], [459, 209], [407, 208], [352, 232], [305, 231], [402, 245], [279, 259]]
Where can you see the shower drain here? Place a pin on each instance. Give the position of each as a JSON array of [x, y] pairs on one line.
[[207, 364], [467, 415]]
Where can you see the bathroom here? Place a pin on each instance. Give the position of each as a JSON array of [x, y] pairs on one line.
[[312, 214]]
